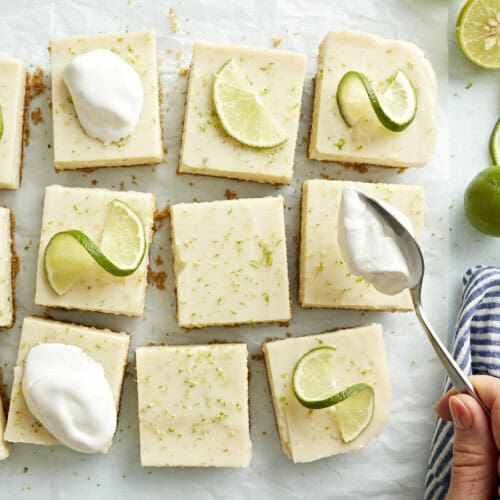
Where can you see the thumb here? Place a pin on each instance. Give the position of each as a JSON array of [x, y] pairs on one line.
[[474, 468]]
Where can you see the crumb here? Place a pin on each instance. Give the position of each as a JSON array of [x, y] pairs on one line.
[[258, 357], [184, 72], [172, 20], [230, 195], [94, 182], [157, 278], [158, 260], [159, 217], [122, 186], [264, 433], [34, 87], [36, 116], [325, 176], [277, 42], [289, 334]]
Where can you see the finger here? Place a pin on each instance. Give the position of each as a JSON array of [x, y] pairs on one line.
[[474, 465], [488, 389]]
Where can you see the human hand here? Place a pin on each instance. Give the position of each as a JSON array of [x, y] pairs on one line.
[[475, 466]]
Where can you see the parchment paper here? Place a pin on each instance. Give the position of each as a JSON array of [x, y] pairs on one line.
[[392, 466]]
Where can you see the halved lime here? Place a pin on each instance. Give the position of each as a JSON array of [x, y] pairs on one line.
[[478, 32], [495, 144], [355, 412], [395, 108], [241, 110], [70, 253]]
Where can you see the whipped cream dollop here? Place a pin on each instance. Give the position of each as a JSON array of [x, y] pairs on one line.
[[370, 247], [67, 391], [107, 94]]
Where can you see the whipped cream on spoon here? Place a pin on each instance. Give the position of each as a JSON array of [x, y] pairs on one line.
[[408, 247]]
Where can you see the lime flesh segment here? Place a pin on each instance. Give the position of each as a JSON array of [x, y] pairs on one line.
[[495, 144], [395, 108], [241, 110], [70, 253], [65, 261], [478, 32], [123, 239], [355, 412]]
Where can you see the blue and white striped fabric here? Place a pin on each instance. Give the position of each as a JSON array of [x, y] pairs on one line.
[[476, 348]]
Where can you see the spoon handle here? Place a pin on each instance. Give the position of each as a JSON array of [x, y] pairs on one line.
[[458, 378]]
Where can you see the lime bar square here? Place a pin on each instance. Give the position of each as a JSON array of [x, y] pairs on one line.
[[367, 142], [325, 280], [87, 209], [278, 77], [104, 346], [230, 262], [7, 307], [12, 90], [193, 405], [359, 357], [73, 148]]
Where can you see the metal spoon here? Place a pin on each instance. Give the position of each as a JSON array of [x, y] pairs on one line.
[[414, 257]]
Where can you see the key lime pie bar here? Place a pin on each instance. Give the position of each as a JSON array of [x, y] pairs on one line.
[[325, 279], [6, 270], [105, 101], [230, 262], [106, 348], [12, 89], [193, 405], [400, 76], [100, 285], [242, 113], [357, 359]]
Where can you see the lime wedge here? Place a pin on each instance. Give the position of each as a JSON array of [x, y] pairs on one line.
[[70, 253], [241, 110], [478, 32], [395, 108], [355, 411], [495, 144]]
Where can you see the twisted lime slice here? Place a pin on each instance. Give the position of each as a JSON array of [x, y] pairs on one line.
[[478, 32], [313, 384], [70, 253], [241, 110], [395, 108], [495, 144]]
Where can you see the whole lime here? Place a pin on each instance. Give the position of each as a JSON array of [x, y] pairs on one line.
[[482, 201]]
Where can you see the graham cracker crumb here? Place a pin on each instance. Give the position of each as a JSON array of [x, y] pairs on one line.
[[184, 72], [230, 195], [159, 217], [36, 116], [277, 42], [157, 278], [172, 20], [158, 260], [258, 357], [34, 87]]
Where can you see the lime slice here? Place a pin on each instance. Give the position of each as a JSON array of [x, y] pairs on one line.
[[355, 412], [395, 108], [241, 110], [478, 32], [495, 144], [70, 253], [123, 239]]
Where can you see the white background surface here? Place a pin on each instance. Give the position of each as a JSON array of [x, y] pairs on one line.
[[390, 467]]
